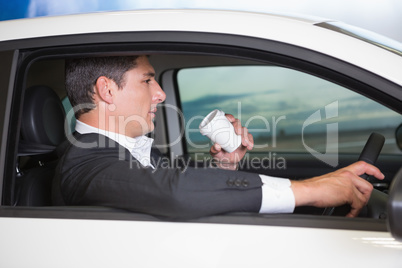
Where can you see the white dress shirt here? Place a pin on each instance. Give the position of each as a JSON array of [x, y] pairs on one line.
[[139, 147], [277, 195]]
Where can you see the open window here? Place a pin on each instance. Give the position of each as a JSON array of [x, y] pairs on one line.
[[285, 110], [273, 96]]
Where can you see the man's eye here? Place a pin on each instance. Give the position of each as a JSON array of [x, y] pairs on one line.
[[148, 81]]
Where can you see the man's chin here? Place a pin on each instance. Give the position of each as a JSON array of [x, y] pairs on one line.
[[151, 128]]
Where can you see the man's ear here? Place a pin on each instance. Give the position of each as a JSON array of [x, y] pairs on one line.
[[104, 88]]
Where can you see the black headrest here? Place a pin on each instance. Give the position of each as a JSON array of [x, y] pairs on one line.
[[42, 118]]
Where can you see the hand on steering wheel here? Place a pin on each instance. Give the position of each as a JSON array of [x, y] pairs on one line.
[[369, 154]]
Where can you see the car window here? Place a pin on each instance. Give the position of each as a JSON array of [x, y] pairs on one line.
[[285, 110]]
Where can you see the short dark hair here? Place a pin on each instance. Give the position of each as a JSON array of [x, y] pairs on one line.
[[82, 74]]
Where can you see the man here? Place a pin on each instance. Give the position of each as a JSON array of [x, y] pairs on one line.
[[118, 98]]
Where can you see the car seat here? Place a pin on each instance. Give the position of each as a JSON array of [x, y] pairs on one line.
[[42, 130]]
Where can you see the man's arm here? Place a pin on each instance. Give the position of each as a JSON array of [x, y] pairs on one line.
[[98, 177], [343, 186]]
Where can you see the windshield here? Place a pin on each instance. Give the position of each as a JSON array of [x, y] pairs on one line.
[[365, 35]]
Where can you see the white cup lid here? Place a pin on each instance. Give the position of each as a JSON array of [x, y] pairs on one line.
[[205, 126]]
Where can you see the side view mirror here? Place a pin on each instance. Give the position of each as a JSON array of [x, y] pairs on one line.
[[394, 207]]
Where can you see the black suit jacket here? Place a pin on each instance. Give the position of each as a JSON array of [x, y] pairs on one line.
[[106, 174]]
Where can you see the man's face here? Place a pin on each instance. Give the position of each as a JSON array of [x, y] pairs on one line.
[[135, 104]]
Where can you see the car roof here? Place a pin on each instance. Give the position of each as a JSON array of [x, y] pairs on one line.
[[295, 30], [219, 21]]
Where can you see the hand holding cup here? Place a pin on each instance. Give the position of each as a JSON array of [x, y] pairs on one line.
[[227, 133]]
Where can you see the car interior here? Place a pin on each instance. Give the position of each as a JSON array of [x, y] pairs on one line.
[[44, 118]]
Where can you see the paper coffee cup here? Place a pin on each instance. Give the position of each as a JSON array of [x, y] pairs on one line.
[[220, 130]]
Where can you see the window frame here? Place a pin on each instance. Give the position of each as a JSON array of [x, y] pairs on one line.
[[174, 42]]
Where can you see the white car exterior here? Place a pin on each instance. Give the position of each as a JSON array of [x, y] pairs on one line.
[[274, 27], [57, 242], [83, 243]]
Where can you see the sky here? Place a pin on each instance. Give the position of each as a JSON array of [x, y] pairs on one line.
[[381, 16]]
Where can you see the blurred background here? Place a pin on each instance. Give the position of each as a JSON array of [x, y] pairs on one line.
[[381, 16]]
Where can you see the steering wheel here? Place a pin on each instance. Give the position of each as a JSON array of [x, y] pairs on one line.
[[376, 207]]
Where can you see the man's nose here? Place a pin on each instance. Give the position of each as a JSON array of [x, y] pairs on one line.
[[159, 95]]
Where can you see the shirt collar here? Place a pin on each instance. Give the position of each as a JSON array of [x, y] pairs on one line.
[[139, 147]]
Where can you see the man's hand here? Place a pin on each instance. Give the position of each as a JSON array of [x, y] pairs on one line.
[[343, 186], [227, 160]]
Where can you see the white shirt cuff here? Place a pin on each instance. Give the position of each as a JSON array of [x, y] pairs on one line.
[[277, 195]]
